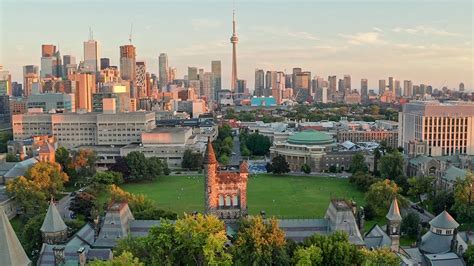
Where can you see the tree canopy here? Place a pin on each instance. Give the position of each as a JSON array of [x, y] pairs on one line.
[[192, 160], [358, 164], [464, 197], [381, 194], [279, 165], [392, 165]]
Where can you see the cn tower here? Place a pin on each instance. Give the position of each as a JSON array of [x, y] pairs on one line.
[[234, 40]]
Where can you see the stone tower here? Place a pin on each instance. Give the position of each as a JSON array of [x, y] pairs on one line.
[[53, 230], [225, 190], [394, 220]]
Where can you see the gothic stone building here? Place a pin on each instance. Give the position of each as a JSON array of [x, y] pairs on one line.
[[225, 189]]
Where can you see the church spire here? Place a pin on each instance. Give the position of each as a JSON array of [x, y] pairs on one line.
[[53, 230], [394, 212], [11, 251], [209, 155]]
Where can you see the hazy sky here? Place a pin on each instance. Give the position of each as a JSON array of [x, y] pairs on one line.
[[428, 42]]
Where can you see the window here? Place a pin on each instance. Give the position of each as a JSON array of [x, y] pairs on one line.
[[439, 231], [235, 200], [221, 200], [227, 201]]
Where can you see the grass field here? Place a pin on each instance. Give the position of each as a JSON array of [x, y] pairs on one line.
[[280, 196]]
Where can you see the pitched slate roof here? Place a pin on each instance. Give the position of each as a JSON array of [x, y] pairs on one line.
[[377, 238], [444, 220], [53, 221], [452, 173], [209, 155], [394, 212], [11, 251]]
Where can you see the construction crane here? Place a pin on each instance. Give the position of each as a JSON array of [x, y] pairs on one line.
[[131, 31]]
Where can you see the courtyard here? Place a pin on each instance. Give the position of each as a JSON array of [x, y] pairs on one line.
[[283, 196]]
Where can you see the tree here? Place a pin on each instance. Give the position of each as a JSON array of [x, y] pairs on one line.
[[335, 248], [28, 194], [442, 201], [260, 243], [258, 144], [377, 156], [191, 160], [358, 164], [333, 169], [107, 178], [464, 197], [63, 157], [224, 159], [305, 168], [84, 162], [469, 255], [125, 259], [381, 194], [83, 203], [48, 176], [411, 225], [12, 158], [279, 165], [421, 185], [30, 237], [4, 138], [120, 166], [379, 256], [142, 168], [362, 180], [391, 165], [307, 256]]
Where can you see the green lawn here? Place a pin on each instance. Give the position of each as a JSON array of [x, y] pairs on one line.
[[281, 196]]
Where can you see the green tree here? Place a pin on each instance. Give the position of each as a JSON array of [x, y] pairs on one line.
[[304, 256], [280, 165], [83, 203], [107, 178], [4, 138], [191, 160], [260, 243], [411, 225], [125, 259], [63, 157], [442, 201], [358, 164], [391, 165], [120, 166], [31, 198], [362, 180], [258, 144], [421, 185], [464, 197], [84, 161], [305, 168], [379, 256], [335, 249], [381, 194], [469, 255], [12, 158], [30, 237]]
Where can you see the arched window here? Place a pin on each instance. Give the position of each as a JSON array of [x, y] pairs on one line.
[[235, 200], [221, 200], [227, 201]]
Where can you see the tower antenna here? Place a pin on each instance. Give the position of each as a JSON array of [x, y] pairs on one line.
[[131, 31], [91, 34]]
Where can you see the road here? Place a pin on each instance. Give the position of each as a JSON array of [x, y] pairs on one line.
[[236, 156], [63, 207], [424, 217]]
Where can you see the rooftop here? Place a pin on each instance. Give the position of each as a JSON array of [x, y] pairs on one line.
[[311, 137]]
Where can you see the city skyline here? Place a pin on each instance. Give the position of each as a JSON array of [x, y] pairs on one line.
[[437, 53]]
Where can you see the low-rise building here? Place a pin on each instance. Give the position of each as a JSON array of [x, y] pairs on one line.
[[52, 102]]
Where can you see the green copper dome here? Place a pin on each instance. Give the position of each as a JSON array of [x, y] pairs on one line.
[[311, 137]]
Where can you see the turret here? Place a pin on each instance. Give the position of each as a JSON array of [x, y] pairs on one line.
[[210, 175], [53, 230], [11, 251], [393, 225]]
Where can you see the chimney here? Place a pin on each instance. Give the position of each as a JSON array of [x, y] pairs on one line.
[[59, 256], [81, 253]]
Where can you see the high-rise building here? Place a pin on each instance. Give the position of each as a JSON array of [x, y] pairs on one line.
[[193, 73], [85, 87], [127, 62], [364, 90], [163, 69], [407, 88], [91, 56], [461, 86], [140, 80], [207, 88], [216, 77], [391, 85], [172, 73], [289, 80], [69, 65], [437, 129], [332, 88], [382, 86], [259, 82], [104, 63], [5, 114], [341, 87], [5, 82], [234, 40], [30, 75], [302, 84], [398, 88], [347, 83], [241, 86], [48, 50]]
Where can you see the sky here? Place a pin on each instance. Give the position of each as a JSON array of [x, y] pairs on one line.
[[428, 42]]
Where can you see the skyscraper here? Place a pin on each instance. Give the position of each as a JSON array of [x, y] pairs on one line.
[[391, 85], [216, 76], [30, 76], [127, 62], [104, 63], [234, 40], [302, 84], [241, 86], [259, 82], [407, 88], [163, 70], [347, 83], [192, 73], [332, 88], [50, 61], [364, 86], [91, 56], [48, 50], [140, 80], [85, 87], [382, 86], [397, 88]]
